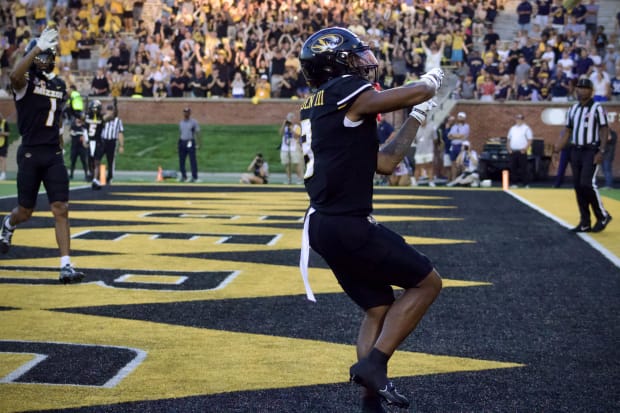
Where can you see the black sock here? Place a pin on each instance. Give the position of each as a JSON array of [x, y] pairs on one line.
[[378, 357]]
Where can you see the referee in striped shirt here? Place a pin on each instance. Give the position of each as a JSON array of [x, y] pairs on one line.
[[587, 129], [112, 133]]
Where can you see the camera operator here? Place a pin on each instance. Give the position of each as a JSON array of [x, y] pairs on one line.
[[259, 171], [467, 167]]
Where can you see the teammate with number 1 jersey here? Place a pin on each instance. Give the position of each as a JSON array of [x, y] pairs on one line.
[[39, 98]]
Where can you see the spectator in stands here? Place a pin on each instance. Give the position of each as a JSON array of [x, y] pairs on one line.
[[542, 11], [467, 89], [433, 55], [524, 12], [263, 88], [490, 38], [615, 86], [84, 45], [566, 63], [522, 71], [504, 90], [487, 88], [591, 17], [559, 86], [100, 86], [289, 83], [584, 64], [611, 60], [524, 91], [238, 86], [179, 83], [579, 12], [601, 84]]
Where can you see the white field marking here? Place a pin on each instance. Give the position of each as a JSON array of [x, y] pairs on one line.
[[220, 286], [222, 240], [274, 240], [121, 237], [147, 150], [584, 235], [24, 368], [154, 236], [264, 217], [227, 280], [113, 382], [79, 234], [125, 277], [194, 237]]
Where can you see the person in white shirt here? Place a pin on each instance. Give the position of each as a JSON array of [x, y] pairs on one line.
[[601, 83], [425, 146], [519, 141]]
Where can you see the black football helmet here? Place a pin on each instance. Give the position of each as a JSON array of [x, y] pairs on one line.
[[94, 108], [44, 62], [334, 52]]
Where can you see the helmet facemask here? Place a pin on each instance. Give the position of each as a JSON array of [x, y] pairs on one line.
[[44, 63], [363, 63]]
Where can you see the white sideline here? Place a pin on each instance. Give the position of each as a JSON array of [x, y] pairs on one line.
[[584, 235]]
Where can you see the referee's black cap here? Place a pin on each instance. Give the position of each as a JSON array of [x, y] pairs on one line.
[[585, 83]]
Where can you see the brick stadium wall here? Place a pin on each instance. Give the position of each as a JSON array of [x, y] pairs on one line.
[[486, 119]]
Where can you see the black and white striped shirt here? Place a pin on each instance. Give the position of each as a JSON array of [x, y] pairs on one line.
[[585, 121], [112, 128]]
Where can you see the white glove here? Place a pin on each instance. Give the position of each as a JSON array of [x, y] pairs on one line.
[[433, 78], [420, 110], [48, 39]]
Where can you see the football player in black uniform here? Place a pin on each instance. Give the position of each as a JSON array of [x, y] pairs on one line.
[[339, 128], [39, 98], [79, 144], [94, 126]]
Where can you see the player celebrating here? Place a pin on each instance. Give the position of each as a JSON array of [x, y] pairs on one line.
[[39, 98], [339, 126]]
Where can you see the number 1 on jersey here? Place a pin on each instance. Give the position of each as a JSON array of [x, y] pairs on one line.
[[50, 115]]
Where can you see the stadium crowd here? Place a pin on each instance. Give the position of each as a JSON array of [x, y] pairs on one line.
[[224, 48]]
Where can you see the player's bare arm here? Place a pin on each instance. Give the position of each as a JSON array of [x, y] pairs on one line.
[[373, 102], [396, 148]]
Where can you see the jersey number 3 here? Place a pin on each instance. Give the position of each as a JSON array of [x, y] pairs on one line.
[[306, 146]]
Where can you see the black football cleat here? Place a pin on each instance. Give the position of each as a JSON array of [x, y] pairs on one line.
[[5, 235], [602, 224], [375, 379], [581, 228], [69, 275]]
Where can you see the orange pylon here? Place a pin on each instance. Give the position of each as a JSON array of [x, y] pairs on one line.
[[103, 174], [160, 174]]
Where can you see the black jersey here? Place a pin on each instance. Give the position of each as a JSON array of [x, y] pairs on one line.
[[342, 157], [77, 132], [94, 126], [39, 110]]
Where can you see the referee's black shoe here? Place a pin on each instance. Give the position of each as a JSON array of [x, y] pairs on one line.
[[581, 228], [600, 225]]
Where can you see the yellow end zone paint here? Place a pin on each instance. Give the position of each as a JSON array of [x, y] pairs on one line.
[[185, 361]]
